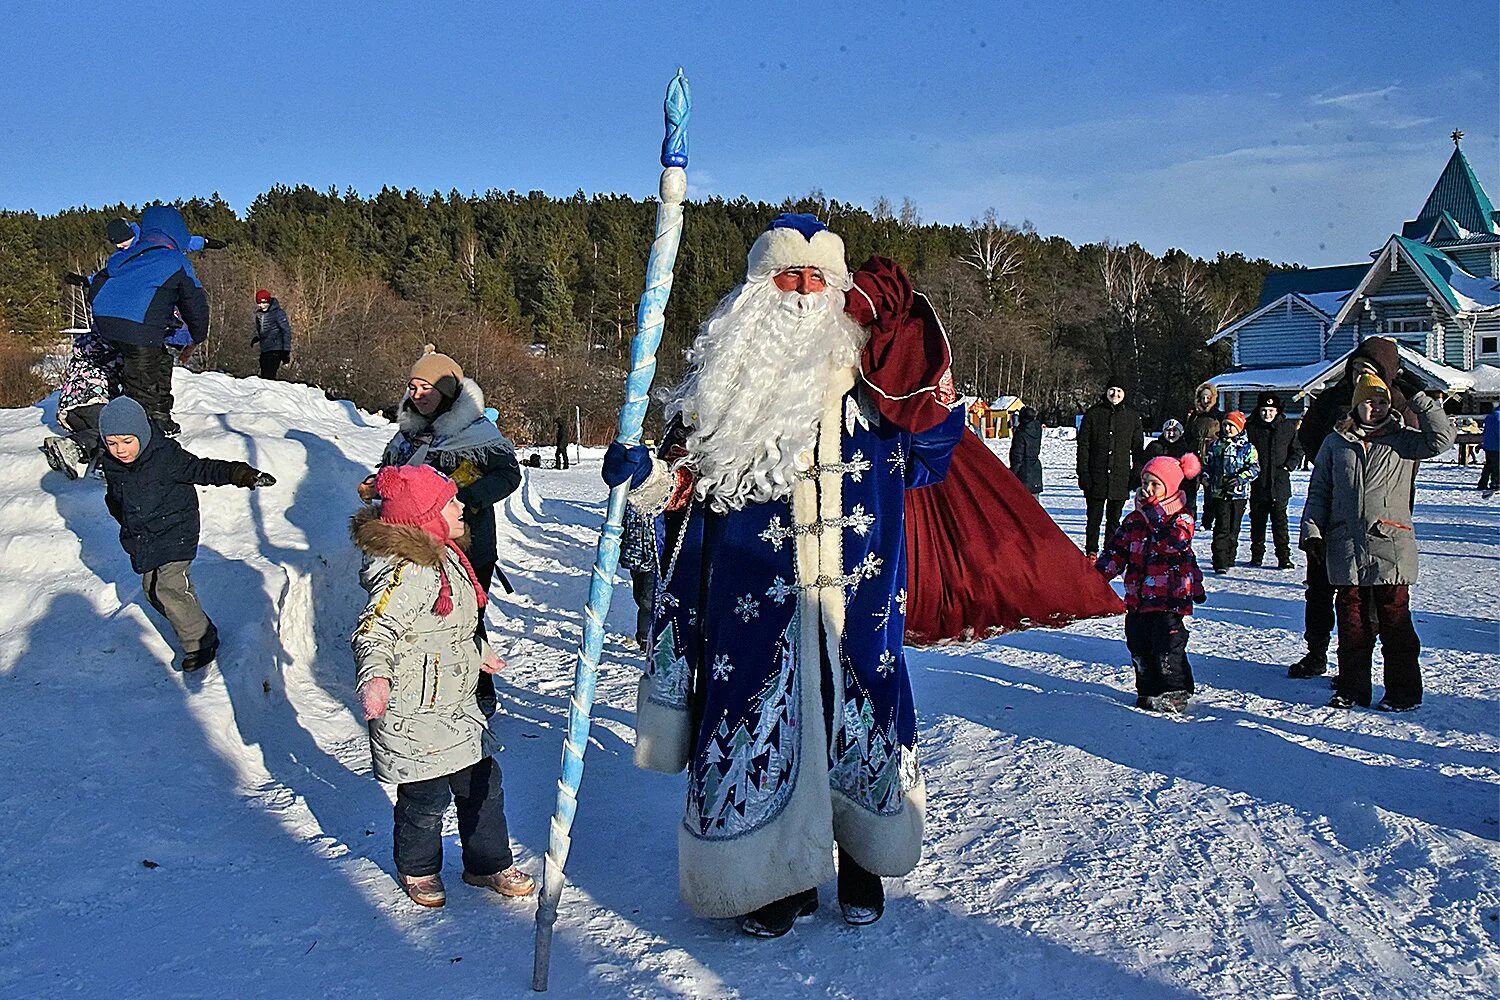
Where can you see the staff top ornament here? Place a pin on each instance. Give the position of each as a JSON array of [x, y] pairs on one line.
[[678, 108]]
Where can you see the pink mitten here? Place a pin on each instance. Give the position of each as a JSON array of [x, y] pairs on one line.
[[374, 697]]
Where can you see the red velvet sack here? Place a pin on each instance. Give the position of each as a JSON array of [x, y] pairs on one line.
[[983, 558]]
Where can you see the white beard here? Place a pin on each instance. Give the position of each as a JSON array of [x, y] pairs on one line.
[[754, 390]]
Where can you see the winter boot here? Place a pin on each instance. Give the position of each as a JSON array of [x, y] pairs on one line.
[[861, 895], [512, 882], [1257, 557], [1314, 664], [424, 890], [1340, 701], [201, 657], [1171, 702], [1386, 705], [64, 455], [775, 919], [1285, 562]]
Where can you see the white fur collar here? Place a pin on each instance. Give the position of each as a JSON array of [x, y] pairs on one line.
[[468, 407]]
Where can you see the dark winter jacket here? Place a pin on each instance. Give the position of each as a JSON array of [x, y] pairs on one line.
[[1110, 445], [272, 331], [1158, 447], [135, 297], [1332, 404], [155, 499], [1489, 438], [1026, 450], [1279, 452], [1231, 467], [461, 443], [1155, 552], [1201, 427]]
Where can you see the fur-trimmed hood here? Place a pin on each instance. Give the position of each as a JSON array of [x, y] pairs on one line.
[[467, 408], [1214, 392], [375, 537]]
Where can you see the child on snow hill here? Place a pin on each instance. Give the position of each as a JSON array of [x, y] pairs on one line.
[[91, 380], [149, 488], [1232, 466], [1358, 521], [1153, 547], [420, 652]]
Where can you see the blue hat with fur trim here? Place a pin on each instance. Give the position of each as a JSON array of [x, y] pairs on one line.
[[797, 239]]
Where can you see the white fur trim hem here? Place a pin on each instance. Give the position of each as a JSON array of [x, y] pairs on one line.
[[889, 845], [662, 737]]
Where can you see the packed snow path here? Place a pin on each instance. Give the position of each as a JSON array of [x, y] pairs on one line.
[[219, 835]]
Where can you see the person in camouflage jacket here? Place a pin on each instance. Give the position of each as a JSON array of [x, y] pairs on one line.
[[1232, 467]]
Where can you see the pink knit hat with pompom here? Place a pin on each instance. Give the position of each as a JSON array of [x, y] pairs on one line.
[[1172, 471]]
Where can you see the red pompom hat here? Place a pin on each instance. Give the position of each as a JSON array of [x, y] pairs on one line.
[[415, 495], [261, 295]]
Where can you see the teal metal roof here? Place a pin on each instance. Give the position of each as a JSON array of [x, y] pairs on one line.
[[1460, 289], [1459, 194]]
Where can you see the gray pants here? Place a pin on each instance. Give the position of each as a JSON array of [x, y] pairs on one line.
[[170, 591]]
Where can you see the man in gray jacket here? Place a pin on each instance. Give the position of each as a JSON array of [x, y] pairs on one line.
[[1358, 520], [272, 332]]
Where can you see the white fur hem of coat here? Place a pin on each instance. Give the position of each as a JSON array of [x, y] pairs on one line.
[[889, 845], [662, 734]]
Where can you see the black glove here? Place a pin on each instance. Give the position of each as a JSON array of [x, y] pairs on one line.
[[1314, 548], [247, 477], [209, 243], [74, 278], [255, 340]]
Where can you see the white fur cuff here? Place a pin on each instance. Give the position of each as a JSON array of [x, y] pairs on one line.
[[661, 733]]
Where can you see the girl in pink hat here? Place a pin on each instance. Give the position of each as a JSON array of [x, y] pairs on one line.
[[419, 655], [1153, 547]]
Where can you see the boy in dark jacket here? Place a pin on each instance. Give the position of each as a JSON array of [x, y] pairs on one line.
[[1276, 445], [1110, 442], [1154, 549], [149, 489], [137, 301]]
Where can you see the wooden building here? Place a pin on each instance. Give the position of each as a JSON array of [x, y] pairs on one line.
[[1432, 288]]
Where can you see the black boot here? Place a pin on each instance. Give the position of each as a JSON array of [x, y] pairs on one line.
[[775, 919], [1314, 664], [861, 896]]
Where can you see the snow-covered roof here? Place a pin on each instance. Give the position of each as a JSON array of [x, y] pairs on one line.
[[1289, 378], [1327, 303], [1007, 403], [1303, 379]]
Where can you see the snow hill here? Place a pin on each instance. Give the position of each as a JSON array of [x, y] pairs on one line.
[[220, 836]]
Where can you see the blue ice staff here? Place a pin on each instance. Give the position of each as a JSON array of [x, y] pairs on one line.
[[649, 318]]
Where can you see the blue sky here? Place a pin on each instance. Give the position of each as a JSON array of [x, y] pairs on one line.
[[1301, 132]]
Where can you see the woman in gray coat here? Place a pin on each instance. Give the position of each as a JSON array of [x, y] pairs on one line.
[[419, 656], [1358, 520]]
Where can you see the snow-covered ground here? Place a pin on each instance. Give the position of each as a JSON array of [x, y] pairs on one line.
[[220, 836]]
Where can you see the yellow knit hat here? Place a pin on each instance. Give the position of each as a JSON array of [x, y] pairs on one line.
[[1370, 386]]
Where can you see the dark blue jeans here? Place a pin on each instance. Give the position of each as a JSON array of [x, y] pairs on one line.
[[481, 821]]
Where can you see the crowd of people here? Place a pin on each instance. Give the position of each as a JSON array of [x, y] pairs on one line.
[[814, 508], [1365, 439]]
